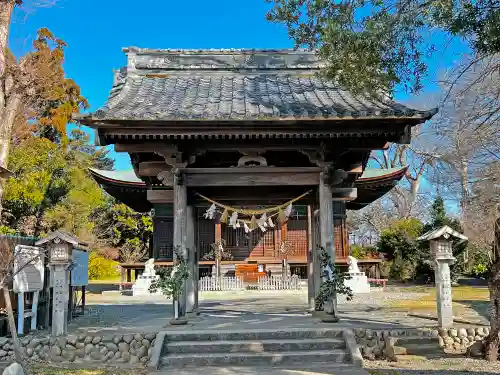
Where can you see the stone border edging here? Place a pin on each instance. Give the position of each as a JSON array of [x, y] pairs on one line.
[[353, 348], [154, 361], [455, 319]]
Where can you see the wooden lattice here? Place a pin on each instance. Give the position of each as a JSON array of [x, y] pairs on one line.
[[163, 238], [206, 236], [297, 237]]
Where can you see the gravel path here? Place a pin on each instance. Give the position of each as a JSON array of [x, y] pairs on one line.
[[244, 309], [443, 366]]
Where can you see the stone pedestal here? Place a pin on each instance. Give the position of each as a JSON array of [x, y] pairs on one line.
[[142, 284], [358, 283], [443, 292]]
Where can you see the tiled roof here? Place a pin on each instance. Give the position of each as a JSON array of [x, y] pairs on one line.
[[127, 176], [173, 85]]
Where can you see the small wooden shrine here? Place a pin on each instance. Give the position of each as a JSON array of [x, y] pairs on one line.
[[211, 133]]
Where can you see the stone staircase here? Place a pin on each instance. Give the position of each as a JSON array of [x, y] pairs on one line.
[[254, 348]]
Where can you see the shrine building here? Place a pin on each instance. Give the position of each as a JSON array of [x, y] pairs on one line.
[[248, 130]]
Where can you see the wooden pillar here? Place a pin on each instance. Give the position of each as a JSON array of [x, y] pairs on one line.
[[284, 257], [326, 222], [34, 311], [84, 299], [218, 238], [316, 263], [341, 234], [190, 283], [20, 314], [310, 261], [129, 275], [180, 234]]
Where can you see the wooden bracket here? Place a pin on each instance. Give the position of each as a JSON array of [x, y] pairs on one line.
[[334, 177], [169, 177], [166, 178], [172, 158], [252, 161]]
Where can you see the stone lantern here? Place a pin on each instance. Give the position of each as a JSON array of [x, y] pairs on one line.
[[441, 248], [59, 247]]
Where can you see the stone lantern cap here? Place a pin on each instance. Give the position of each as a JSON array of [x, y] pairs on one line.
[[63, 236], [445, 232]]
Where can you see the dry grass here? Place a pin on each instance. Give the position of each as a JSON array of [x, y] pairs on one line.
[[462, 296], [68, 371], [421, 365]]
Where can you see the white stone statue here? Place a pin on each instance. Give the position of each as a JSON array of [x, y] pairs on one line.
[[149, 267], [358, 282], [353, 265]]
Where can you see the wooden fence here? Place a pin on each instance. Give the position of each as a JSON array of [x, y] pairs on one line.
[[279, 283], [208, 283]]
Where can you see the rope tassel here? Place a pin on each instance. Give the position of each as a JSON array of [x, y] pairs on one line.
[[253, 222], [281, 216], [225, 215]]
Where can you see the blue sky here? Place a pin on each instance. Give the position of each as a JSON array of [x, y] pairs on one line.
[[96, 31]]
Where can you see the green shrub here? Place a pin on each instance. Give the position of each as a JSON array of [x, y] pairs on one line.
[[363, 252], [385, 269], [101, 268], [7, 230]]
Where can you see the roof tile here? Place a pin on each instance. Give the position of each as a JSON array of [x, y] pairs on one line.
[[234, 84]]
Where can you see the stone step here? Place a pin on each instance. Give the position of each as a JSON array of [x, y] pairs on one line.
[[298, 369], [254, 346], [257, 334], [255, 359], [423, 349], [416, 340]]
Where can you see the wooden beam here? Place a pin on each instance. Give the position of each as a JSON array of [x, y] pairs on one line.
[[251, 176], [152, 168], [344, 194], [356, 169], [146, 146], [160, 196]]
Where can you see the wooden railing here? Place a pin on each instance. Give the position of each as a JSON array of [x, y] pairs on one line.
[[379, 282], [279, 283], [206, 284]]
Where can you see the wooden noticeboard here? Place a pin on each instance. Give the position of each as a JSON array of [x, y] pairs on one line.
[[28, 269], [80, 270]]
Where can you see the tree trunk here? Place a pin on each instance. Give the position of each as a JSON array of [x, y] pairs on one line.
[[7, 118], [176, 309], [6, 8], [12, 325], [493, 342]]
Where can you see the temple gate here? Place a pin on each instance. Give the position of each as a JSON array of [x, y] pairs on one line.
[[246, 128]]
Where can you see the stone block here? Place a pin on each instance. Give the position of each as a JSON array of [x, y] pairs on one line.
[[13, 369]]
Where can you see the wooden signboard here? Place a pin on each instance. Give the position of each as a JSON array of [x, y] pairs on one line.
[[28, 269], [80, 270]]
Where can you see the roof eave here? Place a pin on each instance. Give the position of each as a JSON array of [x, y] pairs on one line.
[[96, 122]]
